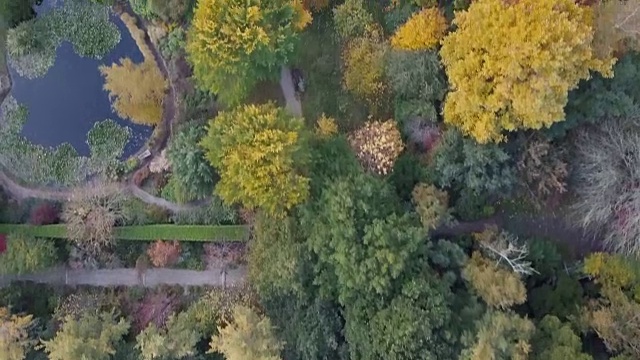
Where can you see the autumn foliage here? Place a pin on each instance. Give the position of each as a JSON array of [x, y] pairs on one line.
[[234, 44], [164, 253], [497, 286], [363, 73], [326, 127], [422, 31], [257, 151], [142, 102], [44, 214], [511, 65], [377, 145]]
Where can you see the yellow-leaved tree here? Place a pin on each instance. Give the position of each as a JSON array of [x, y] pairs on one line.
[[136, 90], [422, 31], [363, 73], [247, 336], [234, 44], [512, 64], [14, 335], [257, 151]]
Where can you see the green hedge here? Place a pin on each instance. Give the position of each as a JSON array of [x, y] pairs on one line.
[[146, 232]]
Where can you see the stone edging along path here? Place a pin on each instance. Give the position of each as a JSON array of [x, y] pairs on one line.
[[132, 277]]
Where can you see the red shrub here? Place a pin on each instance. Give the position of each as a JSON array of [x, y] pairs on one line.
[[44, 214], [3, 243], [164, 253]]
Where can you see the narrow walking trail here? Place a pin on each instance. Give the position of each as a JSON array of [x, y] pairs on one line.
[[288, 90], [20, 192], [131, 277]]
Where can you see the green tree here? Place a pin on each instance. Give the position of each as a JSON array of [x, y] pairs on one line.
[[141, 103], [234, 44], [194, 175], [274, 255], [14, 335], [13, 12], [523, 89], [329, 160], [410, 326], [247, 336], [177, 340], [257, 151], [169, 10], [310, 327], [461, 163], [555, 340], [361, 243], [89, 337], [26, 255], [501, 336], [418, 83], [600, 98], [352, 19]]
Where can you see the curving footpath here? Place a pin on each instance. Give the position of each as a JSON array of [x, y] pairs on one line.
[[222, 277]]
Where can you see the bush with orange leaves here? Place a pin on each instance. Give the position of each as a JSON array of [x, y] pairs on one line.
[[377, 145], [422, 31], [164, 253]]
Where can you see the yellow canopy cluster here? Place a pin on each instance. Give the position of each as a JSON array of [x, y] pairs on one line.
[[511, 65], [422, 31]]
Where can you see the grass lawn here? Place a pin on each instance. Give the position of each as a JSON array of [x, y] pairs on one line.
[[267, 91], [319, 57], [146, 232]]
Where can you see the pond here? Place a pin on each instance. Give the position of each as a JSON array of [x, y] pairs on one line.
[[66, 102]]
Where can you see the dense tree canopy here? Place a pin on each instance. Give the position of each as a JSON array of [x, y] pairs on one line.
[[176, 341], [599, 97], [194, 175], [556, 341], [14, 335], [495, 88], [257, 151], [92, 336], [418, 82], [25, 255], [461, 163], [233, 44], [248, 336], [362, 245], [422, 31]]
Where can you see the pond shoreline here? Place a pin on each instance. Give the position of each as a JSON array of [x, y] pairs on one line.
[[162, 132]]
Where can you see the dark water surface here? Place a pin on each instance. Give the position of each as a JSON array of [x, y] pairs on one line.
[[65, 103]]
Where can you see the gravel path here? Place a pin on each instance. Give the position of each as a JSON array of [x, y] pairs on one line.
[[20, 192], [288, 89], [131, 277]]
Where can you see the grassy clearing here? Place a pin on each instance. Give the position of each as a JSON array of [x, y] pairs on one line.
[[319, 57], [201, 233], [267, 91]]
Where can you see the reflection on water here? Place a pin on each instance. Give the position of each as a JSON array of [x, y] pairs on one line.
[[64, 104]]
